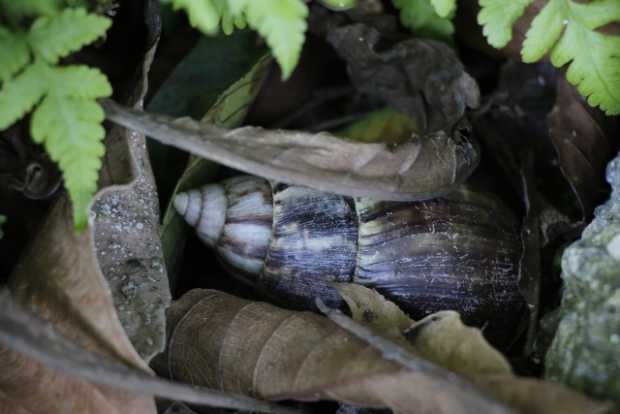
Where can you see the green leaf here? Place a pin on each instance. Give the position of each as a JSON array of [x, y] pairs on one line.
[[281, 22], [421, 18], [497, 18], [202, 14], [16, 9], [69, 126], [82, 82], [14, 53], [566, 29], [19, 95], [55, 37], [339, 5], [385, 125], [444, 8]]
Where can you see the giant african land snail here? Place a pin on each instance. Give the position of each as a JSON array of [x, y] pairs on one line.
[[457, 252]]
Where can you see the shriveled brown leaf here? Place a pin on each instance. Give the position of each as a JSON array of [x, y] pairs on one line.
[[296, 355], [582, 146], [530, 395], [59, 279], [371, 308], [421, 77], [29, 335], [126, 217], [444, 339], [422, 168], [441, 337], [255, 348]]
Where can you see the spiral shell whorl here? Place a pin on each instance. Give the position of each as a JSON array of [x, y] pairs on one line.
[[205, 210], [235, 217]]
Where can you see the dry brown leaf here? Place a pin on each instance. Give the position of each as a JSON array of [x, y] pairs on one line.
[[441, 337], [29, 335], [296, 355], [583, 145], [444, 339], [424, 167], [59, 279], [372, 309], [254, 348]]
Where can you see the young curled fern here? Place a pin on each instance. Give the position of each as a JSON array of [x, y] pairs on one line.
[[566, 30], [66, 119]]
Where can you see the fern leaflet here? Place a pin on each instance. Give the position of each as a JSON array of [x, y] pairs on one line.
[[56, 37], [14, 53], [67, 120], [566, 30], [497, 17], [68, 123], [444, 8], [422, 18], [282, 23]]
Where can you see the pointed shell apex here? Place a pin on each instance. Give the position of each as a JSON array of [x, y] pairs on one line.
[[180, 203], [205, 210]]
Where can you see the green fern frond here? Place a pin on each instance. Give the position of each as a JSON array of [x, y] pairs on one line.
[[497, 17], [281, 22], [444, 8], [55, 37], [68, 124], [19, 95], [82, 82], [16, 9], [566, 30], [339, 5], [421, 17], [202, 14], [14, 53], [67, 120]]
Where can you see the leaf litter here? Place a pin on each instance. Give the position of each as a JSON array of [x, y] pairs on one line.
[[289, 354]]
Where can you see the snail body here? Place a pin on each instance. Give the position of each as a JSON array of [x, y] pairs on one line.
[[457, 252]]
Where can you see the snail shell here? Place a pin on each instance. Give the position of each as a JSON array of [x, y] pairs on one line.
[[457, 252]]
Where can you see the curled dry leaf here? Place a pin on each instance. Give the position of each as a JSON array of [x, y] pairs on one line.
[[296, 355], [420, 77], [444, 339], [26, 333], [582, 145], [254, 348], [440, 337], [422, 168], [126, 219], [59, 279], [370, 308]]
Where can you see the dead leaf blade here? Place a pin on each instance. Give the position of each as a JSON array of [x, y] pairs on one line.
[[423, 168], [261, 350], [25, 333]]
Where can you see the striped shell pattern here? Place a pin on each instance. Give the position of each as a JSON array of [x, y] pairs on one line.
[[457, 252]]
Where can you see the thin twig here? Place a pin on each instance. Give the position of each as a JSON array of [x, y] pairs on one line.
[[26, 333], [393, 352]]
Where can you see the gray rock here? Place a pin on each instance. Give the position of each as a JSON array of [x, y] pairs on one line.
[[585, 352]]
